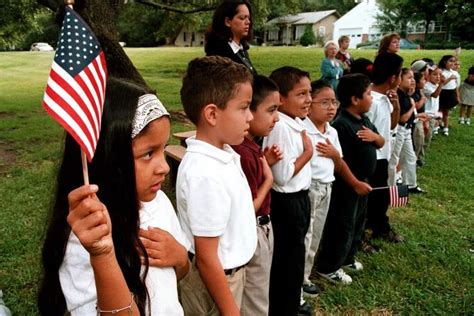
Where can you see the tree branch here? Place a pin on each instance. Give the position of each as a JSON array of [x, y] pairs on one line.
[[177, 10], [50, 4]]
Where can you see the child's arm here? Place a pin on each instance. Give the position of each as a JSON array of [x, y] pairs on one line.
[[164, 251], [90, 222], [395, 116], [436, 93], [212, 274], [306, 155], [406, 116], [341, 168], [265, 186], [367, 135]]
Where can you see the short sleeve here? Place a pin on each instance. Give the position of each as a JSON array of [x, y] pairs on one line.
[[208, 206], [284, 169]]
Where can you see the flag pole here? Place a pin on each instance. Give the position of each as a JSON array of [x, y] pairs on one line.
[[380, 188]]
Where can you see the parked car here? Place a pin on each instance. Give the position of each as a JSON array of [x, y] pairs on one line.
[[41, 47], [404, 44]]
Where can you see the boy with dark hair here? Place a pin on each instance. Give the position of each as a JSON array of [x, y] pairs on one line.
[[213, 196], [384, 114], [256, 166], [359, 140], [292, 178]]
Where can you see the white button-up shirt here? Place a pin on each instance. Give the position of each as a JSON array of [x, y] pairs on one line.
[[380, 115]]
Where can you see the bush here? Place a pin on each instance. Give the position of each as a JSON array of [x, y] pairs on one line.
[[308, 37]]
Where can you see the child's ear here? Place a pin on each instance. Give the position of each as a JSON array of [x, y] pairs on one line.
[[210, 114], [227, 22], [355, 100]]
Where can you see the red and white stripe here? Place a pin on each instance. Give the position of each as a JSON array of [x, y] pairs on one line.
[[77, 102], [395, 199]]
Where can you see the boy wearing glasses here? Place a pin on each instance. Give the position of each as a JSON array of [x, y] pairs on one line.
[[325, 161], [359, 140]]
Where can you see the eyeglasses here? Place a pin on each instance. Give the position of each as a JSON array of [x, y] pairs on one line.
[[325, 104]]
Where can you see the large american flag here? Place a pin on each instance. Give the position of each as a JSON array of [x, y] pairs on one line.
[[398, 195], [75, 92]]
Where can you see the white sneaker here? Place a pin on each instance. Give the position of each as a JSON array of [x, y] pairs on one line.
[[355, 266], [435, 131], [467, 121], [338, 276], [461, 120], [445, 131]]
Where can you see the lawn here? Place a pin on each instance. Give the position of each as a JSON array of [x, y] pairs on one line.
[[431, 273]]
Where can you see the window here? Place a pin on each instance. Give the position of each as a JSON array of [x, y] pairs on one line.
[[322, 30], [184, 36]]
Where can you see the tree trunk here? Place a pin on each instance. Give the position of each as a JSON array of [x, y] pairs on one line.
[[101, 15]]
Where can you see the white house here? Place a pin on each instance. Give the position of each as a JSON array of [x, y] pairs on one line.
[[359, 23], [287, 30]]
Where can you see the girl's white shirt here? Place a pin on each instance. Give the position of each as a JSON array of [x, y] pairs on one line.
[[452, 84], [77, 278]]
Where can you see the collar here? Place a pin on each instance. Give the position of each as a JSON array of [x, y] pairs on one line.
[[225, 155], [296, 123], [235, 47], [351, 116], [250, 144], [313, 130]]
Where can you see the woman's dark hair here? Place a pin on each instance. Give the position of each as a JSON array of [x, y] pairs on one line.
[[385, 42], [362, 66], [443, 60], [350, 86], [113, 170], [262, 87], [219, 32]]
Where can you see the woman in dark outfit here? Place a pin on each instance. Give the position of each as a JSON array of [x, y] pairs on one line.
[[230, 32]]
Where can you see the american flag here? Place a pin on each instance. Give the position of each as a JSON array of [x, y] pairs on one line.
[[398, 195], [75, 92]]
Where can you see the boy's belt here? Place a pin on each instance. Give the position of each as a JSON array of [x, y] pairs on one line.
[[263, 220], [226, 271]]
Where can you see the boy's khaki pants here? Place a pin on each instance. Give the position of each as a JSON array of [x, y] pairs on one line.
[[195, 298]]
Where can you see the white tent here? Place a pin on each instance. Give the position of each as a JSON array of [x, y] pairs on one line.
[[359, 23]]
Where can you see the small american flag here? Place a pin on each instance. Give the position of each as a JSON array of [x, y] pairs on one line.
[[75, 92], [398, 195]]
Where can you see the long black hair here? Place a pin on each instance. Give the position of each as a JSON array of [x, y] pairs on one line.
[[219, 32], [113, 170]]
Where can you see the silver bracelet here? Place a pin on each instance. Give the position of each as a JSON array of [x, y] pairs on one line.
[[128, 308]]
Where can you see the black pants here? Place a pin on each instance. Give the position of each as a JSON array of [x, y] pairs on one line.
[[378, 201], [290, 220], [343, 230]]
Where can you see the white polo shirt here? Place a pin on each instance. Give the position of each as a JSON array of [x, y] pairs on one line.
[[451, 84], [380, 115], [322, 168], [287, 135], [77, 277], [432, 104], [214, 200]]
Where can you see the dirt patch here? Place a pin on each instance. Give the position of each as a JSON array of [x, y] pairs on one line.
[[4, 115], [7, 157], [180, 117]]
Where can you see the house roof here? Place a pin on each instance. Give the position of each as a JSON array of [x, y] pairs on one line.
[[302, 18], [363, 15]]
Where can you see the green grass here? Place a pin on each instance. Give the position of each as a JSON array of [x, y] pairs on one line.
[[431, 273]]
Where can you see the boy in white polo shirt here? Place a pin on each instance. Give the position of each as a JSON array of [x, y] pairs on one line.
[[213, 197], [290, 203]]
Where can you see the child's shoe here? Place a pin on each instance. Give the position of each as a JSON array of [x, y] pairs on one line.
[[338, 276], [310, 289], [355, 266], [436, 130], [446, 131], [467, 121], [461, 120]]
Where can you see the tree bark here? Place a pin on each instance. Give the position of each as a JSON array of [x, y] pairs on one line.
[[101, 16]]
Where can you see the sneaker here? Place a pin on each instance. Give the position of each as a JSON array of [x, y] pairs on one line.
[[445, 131], [467, 121], [435, 131], [355, 266], [305, 309], [391, 236], [338, 276], [416, 190], [420, 163], [461, 120], [311, 289]]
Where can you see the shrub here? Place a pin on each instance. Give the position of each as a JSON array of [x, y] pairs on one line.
[[308, 37]]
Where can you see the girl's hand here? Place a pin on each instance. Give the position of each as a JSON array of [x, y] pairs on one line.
[[162, 248], [366, 134], [393, 97], [90, 221], [327, 150], [273, 154], [267, 172]]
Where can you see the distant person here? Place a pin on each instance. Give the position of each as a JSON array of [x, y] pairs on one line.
[[101, 252], [343, 55], [231, 32], [448, 97], [390, 43], [331, 68], [466, 91]]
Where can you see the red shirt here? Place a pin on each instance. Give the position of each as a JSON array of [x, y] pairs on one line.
[[250, 153]]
